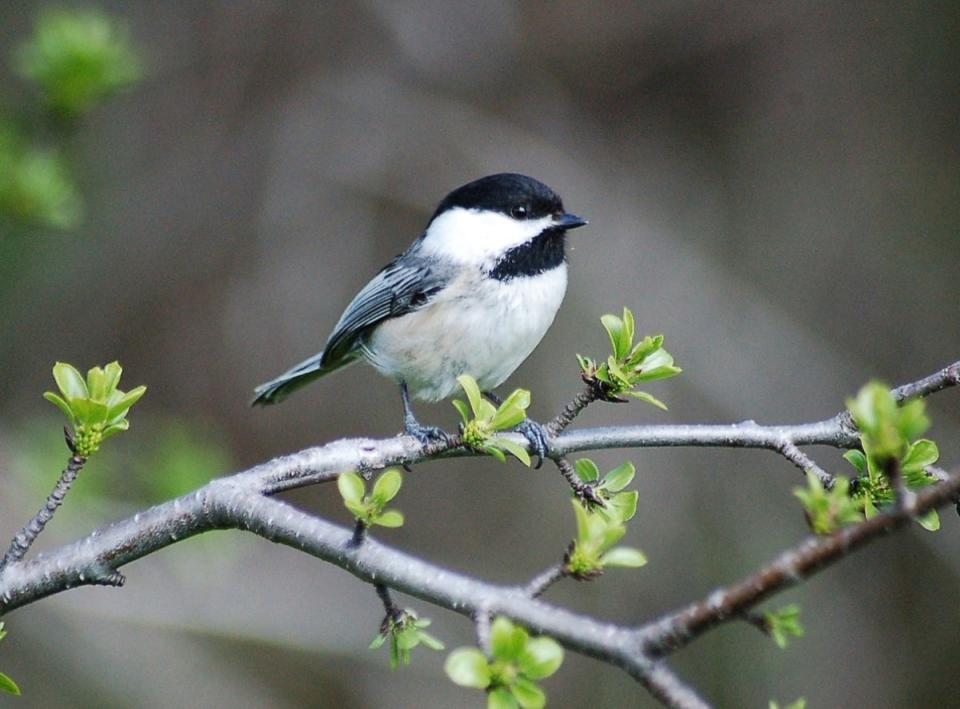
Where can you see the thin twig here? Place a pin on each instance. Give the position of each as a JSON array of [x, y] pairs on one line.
[[23, 539], [805, 463], [544, 580], [582, 400]]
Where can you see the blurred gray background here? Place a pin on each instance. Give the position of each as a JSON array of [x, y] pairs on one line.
[[774, 186]]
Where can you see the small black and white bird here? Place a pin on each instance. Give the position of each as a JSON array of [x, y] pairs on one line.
[[474, 294]]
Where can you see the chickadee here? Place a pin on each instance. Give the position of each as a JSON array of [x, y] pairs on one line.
[[474, 294]]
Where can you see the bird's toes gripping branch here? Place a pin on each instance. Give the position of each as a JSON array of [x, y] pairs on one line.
[[536, 435]]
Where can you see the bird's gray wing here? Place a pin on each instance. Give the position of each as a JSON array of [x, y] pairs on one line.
[[404, 285]]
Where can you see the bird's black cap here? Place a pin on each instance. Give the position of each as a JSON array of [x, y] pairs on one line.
[[517, 196]]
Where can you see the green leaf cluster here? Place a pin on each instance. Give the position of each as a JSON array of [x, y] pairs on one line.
[[78, 58], [404, 632], [95, 406], [828, 510], [371, 509], [629, 364], [511, 675], [597, 531], [783, 624], [481, 420], [6, 684], [887, 435], [619, 504]]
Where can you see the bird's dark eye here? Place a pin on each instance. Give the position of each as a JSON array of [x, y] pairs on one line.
[[518, 212]]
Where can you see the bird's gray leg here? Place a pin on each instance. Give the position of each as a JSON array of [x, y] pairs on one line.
[[534, 432], [424, 434]]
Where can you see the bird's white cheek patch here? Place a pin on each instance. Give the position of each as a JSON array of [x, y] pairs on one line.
[[478, 237]]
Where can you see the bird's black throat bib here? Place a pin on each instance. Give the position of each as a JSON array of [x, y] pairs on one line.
[[541, 254]]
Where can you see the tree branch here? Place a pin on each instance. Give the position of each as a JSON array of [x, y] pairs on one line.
[[243, 501]]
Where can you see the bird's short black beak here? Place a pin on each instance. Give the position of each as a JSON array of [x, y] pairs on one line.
[[569, 221]]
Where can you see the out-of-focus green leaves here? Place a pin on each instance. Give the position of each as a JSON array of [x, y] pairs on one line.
[[629, 364], [481, 420], [95, 406], [800, 703], [35, 184], [405, 633], [887, 433], [6, 684], [371, 509], [782, 624], [78, 58], [511, 674]]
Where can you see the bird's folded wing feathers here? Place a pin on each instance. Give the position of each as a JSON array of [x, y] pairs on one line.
[[404, 285]]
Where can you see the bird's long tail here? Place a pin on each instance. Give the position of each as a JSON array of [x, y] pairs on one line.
[[276, 390]]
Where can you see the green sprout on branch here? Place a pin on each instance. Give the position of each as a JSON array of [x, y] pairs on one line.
[[782, 624], [6, 684], [887, 434], [629, 364], [828, 510], [95, 406], [619, 505], [370, 509], [405, 632], [481, 420], [593, 550], [510, 676]]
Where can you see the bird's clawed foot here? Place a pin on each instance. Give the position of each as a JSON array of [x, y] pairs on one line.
[[536, 435], [427, 435]]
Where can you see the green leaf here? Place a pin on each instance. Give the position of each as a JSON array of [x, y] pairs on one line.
[[507, 641], [463, 409], [125, 402], [378, 642], [857, 459], [60, 404], [390, 518], [929, 521], [357, 509], [110, 430], [351, 487], [468, 667], [515, 449], [470, 388], [89, 412], [112, 372], [627, 557], [619, 477], [617, 333], [648, 398], [387, 486], [528, 694], [626, 339], [586, 470], [69, 381], [430, 641], [583, 521], [541, 658], [495, 452], [921, 454], [506, 417], [8, 685], [624, 505], [97, 383], [500, 698]]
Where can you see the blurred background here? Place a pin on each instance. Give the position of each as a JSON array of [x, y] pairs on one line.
[[774, 186]]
